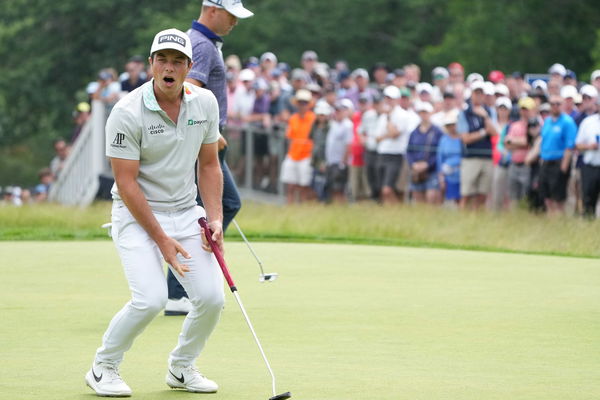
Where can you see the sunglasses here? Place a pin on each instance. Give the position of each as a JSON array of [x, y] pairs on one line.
[[556, 104]]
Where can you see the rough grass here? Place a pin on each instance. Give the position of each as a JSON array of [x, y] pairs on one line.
[[517, 231]]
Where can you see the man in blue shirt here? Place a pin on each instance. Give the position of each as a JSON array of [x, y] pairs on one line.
[[217, 19], [558, 140]]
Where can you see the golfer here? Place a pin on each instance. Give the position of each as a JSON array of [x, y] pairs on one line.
[[154, 136], [217, 19]]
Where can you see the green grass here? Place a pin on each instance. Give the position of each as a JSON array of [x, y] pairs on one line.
[[517, 231], [343, 322]]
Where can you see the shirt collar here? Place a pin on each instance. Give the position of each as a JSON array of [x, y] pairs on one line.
[[150, 99], [206, 32]]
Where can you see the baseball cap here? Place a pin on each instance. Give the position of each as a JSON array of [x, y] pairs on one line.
[[568, 91], [424, 87], [474, 76], [423, 106], [545, 107], [478, 85], [571, 74], [595, 75], [557, 69], [246, 75], [392, 92], [172, 39], [85, 107], [527, 103], [360, 72], [496, 76], [268, 56], [303, 95], [539, 84], [322, 108], [309, 55], [405, 92], [345, 103], [489, 88], [504, 102], [298, 74], [455, 65], [234, 7], [451, 118], [502, 89], [588, 90], [440, 73]]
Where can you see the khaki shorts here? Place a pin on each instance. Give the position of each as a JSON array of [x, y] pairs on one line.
[[476, 176], [296, 172]]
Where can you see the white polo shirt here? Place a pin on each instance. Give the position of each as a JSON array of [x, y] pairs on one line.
[[138, 129], [589, 132]]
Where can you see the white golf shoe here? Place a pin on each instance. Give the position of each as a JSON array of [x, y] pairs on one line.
[[180, 306], [190, 379], [104, 379]]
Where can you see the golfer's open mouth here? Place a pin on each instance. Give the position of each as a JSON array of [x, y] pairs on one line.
[[169, 79]]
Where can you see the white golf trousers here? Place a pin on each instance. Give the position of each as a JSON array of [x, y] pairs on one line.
[[143, 265]]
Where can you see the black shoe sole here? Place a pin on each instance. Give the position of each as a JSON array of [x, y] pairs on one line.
[[174, 313]]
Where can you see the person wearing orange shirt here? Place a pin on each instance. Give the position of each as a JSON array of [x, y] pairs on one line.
[[296, 169]]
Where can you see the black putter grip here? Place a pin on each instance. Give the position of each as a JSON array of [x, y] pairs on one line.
[[217, 252]]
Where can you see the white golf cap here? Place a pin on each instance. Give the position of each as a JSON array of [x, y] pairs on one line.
[[423, 106], [568, 92], [246, 75], [489, 88], [234, 7], [392, 92], [504, 102], [557, 69], [424, 87], [539, 84], [595, 75], [440, 73], [347, 103], [450, 118], [323, 108], [478, 85], [588, 90], [474, 77], [502, 89], [172, 39]]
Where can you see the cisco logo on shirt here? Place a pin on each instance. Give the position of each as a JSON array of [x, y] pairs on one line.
[[156, 129]]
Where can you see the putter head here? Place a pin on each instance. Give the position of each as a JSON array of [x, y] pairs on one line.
[[268, 277], [281, 396]]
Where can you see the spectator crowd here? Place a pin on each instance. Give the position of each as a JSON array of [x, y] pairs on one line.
[[395, 135]]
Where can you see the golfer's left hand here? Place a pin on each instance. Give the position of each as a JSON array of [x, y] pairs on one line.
[[217, 236]]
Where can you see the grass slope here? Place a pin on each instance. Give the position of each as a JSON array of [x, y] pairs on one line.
[[342, 323]]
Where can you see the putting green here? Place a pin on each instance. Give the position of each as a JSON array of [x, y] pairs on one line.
[[342, 322]]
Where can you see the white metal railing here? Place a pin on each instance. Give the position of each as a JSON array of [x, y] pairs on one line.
[[78, 181]]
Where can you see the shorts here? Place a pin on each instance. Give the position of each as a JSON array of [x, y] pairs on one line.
[[476, 176], [452, 191], [296, 172], [431, 183], [337, 177], [553, 182], [388, 169]]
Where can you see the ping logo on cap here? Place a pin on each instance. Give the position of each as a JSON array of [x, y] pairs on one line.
[[171, 38]]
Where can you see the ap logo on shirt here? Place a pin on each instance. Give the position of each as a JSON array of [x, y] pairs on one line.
[[118, 141]]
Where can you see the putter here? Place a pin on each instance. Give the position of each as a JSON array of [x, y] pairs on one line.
[[270, 277], [208, 234]]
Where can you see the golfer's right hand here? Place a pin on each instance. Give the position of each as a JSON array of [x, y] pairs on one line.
[[169, 249]]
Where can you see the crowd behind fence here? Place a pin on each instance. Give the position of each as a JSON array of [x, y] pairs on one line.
[[389, 135]]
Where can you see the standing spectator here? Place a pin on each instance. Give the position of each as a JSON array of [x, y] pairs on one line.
[[108, 89], [412, 73], [244, 96], [379, 73], [358, 179], [80, 117], [589, 96], [518, 143], [299, 80], [339, 138], [309, 64], [449, 106], [440, 78], [268, 62], [61, 150], [296, 170], [457, 73], [500, 156], [41, 190], [448, 159], [558, 139], [569, 95], [588, 142], [368, 131], [135, 74], [421, 155], [595, 79], [476, 128], [318, 134]]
